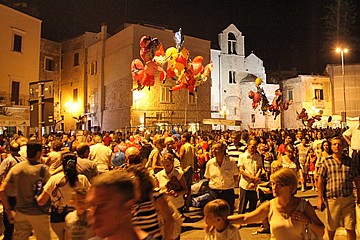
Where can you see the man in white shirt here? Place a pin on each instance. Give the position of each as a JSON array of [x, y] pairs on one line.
[[222, 174], [352, 137], [250, 166], [100, 154]]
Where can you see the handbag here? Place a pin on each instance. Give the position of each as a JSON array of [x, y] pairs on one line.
[[58, 216], [307, 233]]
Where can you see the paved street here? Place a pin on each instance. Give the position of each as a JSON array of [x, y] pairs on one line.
[[193, 227]]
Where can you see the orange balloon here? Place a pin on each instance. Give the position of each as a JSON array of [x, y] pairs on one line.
[[137, 69]]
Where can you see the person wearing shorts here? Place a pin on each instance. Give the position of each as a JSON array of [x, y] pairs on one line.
[[335, 190]]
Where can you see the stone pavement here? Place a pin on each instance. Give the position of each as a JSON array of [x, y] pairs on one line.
[[193, 227]]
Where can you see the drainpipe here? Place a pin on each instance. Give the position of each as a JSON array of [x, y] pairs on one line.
[[85, 98], [101, 96]]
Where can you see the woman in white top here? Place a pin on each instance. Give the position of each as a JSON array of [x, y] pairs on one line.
[[316, 145], [59, 189], [171, 181], [289, 161], [290, 217]]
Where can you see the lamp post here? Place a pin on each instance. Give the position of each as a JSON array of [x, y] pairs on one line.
[[342, 51]]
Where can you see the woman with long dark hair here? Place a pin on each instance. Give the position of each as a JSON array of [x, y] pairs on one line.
[[150, 203], [59, 189]]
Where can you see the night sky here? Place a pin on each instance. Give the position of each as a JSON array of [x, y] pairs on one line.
[[285, 34]]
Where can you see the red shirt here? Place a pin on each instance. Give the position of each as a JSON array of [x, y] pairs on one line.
[[107, 141]]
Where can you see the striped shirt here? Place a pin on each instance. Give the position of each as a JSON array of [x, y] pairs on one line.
[[146, 218], [338, 177], [234, 151]]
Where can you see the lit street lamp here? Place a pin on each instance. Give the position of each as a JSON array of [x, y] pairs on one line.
[[342, 51]]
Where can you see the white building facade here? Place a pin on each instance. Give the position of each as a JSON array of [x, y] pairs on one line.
[[313, 93], [233, 76]]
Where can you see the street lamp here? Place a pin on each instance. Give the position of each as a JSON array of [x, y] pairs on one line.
[[342, 51]]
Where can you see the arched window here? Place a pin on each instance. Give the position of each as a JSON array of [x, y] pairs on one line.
[[231, 43]]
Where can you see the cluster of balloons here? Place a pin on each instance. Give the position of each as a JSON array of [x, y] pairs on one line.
[[278, 104], [304, 117], [259, 96], [145, 74], [172, 64]]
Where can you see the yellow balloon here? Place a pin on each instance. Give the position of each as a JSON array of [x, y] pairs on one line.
[[258, 81], [171, 53]]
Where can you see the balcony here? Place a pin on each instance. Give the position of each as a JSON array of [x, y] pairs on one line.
[[7, 100]]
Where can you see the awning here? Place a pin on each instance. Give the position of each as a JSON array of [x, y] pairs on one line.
[[220, 121]]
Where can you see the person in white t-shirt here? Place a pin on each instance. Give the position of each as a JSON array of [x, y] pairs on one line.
[[352, 137], [250, 165], [218, 227]]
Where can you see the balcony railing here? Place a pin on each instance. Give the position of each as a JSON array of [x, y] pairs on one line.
[[8, 100]]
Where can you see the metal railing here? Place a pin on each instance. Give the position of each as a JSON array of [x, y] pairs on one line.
[[8, 100]]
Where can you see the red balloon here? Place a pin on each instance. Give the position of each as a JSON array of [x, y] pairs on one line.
[[144, 41], [148, 80], [197, 65], [150, 68], [160, 51], [257, 97], [137, 69], [178, 87]]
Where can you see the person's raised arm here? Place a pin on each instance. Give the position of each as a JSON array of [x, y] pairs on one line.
[[43, 198], [252, 217]]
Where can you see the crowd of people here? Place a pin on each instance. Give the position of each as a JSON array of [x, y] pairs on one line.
[[116, 185]]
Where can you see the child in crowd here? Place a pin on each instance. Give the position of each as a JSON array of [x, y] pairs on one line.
[[217, 225], [311, 160], [77, 227]]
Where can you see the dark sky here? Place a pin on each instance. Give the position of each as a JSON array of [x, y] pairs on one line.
[[285, 34]]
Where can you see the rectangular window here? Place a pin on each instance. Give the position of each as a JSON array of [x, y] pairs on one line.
[[17, 47], [252, 118], [93, 68], [76, 59], [192, 99], [49, 64], [290, 95], [165, 95], [232, 75], [319, 94], [15, 92], [159, 116], [231, 46], [75, 95]]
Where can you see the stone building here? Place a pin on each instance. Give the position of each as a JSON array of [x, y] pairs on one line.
[[314, 93], [233, 77], [73, 97], [352, 89], [96, 75], [49, 74], [19, 61]]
